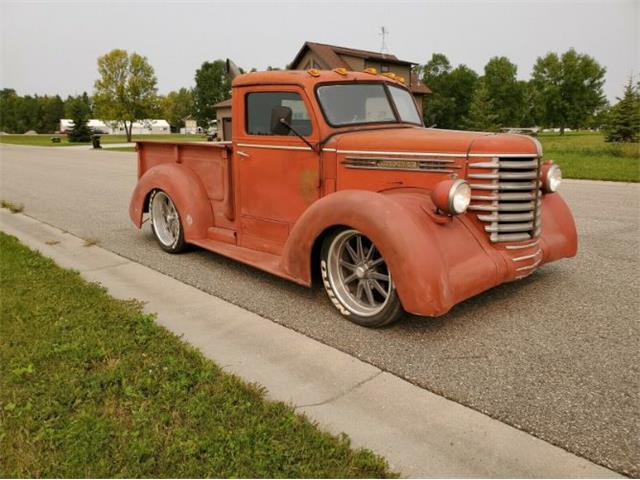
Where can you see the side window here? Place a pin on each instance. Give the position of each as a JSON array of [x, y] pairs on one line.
[[260, 104]]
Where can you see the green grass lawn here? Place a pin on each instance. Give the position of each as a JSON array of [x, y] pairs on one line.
[[90, 386], [583, 155], [45, 140], [586, 155]]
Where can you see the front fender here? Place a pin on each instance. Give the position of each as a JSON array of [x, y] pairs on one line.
[[559, 238], [186, 191], [434, 264]]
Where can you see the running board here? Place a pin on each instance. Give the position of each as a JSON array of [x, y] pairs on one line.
[[264, 261]]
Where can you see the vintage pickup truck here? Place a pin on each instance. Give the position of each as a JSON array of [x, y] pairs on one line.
[[332, 175]]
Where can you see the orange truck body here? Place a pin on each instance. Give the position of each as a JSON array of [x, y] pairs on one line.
[[269, 200]]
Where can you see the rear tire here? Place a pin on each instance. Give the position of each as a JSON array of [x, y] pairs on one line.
[[166, 223], [358, 280]]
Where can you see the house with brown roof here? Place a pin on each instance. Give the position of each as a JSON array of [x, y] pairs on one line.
[[328, 57]]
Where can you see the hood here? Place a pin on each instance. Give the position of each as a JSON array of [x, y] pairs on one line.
[[432, 140]]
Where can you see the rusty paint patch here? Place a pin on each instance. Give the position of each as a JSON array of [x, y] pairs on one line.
[[308, 186]]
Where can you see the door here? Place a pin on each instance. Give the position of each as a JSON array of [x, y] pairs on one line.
[[277, 171]]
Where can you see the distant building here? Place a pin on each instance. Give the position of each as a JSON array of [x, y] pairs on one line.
[[328, 57], [223, 119], [190, 126], [142, 127]]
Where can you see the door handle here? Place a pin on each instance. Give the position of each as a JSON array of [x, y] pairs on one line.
[[243, 154]]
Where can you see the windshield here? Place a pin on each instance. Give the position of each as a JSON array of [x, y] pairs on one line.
[[405, 105], [349, 104]]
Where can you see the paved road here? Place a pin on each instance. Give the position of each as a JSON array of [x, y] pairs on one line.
[[556, 354]]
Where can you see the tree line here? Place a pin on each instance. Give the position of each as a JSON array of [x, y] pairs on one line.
[[20, 114], [564, 91]]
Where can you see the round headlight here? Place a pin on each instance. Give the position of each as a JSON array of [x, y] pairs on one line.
[[459, 197], [452, 196], [551, 177]]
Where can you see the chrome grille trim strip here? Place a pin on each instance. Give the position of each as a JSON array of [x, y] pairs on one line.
[[401, 164], [426, 169], [505, 164], [400, 159], [527, 257], [484, 176], [511, 237], [522, 247], [408, 154], [533, 164], [484, 165], [517, 196], [507, 217], [510, 227], [484, 198], [517, 185], [505, 207], [483, 208], [503, 155], [483, 186], [529, 267], [518, 175]]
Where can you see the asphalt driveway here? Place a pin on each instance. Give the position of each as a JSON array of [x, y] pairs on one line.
[[555, 354]]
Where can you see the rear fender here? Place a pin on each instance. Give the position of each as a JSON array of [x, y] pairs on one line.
[[401, 228], [185, 189]]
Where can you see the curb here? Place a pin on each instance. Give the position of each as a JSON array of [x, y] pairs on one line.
[[421, 434]]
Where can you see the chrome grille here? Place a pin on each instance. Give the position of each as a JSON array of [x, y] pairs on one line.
[[506, 197]]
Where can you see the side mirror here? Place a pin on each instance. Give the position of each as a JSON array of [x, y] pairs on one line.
[[281, 120]]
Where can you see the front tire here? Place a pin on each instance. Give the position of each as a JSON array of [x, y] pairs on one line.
[[358, 280], [166, 223]]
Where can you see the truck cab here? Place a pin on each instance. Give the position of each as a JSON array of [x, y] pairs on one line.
[[334, 172]]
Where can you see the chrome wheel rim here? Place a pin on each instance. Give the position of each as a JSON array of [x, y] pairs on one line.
[[358, 274], [166, 222]]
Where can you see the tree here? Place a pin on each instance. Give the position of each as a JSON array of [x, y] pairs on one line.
[[438, 105], [482, 111], [27, 113], [568, 88], [462, 83], [8, 101], [51, 111], [452, 92], [78, 111], [505, 91], [213, 85], [177, 106], [623, 123], [126, 90]]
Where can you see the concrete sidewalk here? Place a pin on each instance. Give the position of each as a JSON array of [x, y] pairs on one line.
[[420, 433]]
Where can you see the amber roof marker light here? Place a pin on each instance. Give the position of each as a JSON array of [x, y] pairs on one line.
[[341, 71], [314, 72], [370, 71]]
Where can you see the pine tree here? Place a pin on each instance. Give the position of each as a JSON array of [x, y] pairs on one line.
[[78, 111], [482, 114], [623, 123]]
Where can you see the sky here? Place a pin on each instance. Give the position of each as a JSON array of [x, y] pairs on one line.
[[51, 47]]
